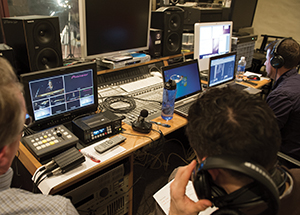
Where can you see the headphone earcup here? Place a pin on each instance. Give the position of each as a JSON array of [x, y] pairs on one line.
[[277, 61], [202, 185]]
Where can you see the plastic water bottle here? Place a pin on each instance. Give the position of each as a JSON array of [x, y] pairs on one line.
[[169, 94], [241, 69]]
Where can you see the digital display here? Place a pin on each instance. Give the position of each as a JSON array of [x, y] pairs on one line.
[[100, 131], [187, 78], [211, 39], [222, 69], [62, 93]]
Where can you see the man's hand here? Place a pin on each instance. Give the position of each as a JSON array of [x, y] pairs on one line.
[[180, 203]]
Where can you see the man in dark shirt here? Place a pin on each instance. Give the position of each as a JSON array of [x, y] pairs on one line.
[[282, 59], [224, 121]]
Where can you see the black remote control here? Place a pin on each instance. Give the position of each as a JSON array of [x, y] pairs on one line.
[[104, 146]]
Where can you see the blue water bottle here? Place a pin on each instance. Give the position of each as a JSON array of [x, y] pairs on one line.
[[168, 102]]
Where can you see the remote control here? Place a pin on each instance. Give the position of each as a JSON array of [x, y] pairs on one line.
[[103, 146]]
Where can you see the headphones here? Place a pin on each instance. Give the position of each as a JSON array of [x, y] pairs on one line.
[[261, 190], [277, 60]]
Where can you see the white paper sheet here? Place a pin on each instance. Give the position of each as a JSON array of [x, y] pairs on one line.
[[162, 197]]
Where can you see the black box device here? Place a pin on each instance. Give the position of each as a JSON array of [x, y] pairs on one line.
[[97, 126], [50, 142]]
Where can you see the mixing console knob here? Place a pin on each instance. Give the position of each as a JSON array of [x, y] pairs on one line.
[[104, 192]]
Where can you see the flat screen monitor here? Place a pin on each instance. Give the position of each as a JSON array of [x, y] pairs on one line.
[[221, 69], [114, 27], [242, 13], [211, 39], [58, 95]]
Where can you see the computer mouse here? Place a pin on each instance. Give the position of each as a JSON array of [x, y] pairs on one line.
[[253, 77]]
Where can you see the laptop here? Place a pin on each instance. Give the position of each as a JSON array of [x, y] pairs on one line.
[[221, 73], [187, 76]]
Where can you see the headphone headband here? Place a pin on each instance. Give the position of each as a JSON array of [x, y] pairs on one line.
[[275, 47]]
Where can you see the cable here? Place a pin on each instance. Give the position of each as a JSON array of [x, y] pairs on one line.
[[109, 101], [138, 135]]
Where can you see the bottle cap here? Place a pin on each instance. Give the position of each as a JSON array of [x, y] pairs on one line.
[[170, 85]]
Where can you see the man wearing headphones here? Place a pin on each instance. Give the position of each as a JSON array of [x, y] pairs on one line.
[[236, 138], [12, 118], [282, 59]]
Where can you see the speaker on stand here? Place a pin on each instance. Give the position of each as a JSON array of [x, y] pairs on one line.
[[35, 41], [170, 21]]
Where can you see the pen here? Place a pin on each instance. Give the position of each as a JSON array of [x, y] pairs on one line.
[[90, 157], [162, 124]]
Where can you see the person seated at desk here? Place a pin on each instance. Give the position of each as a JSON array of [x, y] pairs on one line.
[[12, 117], [282, 59], [224, 121]]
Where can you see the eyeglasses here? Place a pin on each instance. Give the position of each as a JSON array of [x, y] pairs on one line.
[[28, 120], [27, 123]]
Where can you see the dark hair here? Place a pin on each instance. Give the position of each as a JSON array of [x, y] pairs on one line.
[[227, 121], [289, 49]]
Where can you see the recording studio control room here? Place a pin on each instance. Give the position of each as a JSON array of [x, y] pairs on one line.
[[108, 84]]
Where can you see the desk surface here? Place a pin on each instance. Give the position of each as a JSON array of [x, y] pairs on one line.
[[133, 142], [260, 83]]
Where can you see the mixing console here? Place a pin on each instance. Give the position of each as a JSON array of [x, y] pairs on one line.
[[139, 84]]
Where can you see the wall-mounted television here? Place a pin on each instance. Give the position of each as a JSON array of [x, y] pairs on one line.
[[58, 95], [113, 27], [211, 39]]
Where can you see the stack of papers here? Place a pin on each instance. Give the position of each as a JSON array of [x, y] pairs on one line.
[[162, 197]]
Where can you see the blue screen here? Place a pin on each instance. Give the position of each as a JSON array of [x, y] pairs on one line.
[[188, 79]]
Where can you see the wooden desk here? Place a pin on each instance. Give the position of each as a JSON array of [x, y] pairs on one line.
[[131, 144], [259, 83]]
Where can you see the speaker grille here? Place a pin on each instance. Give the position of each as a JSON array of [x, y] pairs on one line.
[[47, 58], [44, 33], [174, 22], [173, 42]]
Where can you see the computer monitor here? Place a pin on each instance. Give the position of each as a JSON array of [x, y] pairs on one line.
[[242, 13], [58, 95], [221, 69], [114, 27], [211, 39]]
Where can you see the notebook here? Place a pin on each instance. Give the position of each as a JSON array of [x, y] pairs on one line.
[[222, 73], [187, 76]]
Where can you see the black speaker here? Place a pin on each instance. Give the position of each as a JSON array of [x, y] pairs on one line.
[[155, 43], [35, 41], [262, 190], [170, 21], [7, 52]]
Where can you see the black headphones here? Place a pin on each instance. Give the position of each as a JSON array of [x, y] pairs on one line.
[[277, 60], [262, 190]]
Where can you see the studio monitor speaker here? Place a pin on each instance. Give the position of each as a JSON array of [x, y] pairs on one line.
[[170, 21], [35, 41], [155, 43]]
